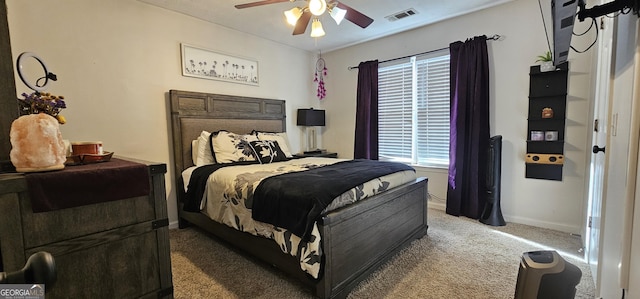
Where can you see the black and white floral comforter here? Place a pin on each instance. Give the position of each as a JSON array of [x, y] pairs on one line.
[[228, 188]]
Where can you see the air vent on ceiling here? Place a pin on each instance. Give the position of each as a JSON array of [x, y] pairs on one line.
[[401, 15]]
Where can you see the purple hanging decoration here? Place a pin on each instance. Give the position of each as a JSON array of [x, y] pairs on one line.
[[321, 71]]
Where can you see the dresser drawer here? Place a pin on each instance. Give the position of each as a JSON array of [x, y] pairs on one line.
[[54, 226]]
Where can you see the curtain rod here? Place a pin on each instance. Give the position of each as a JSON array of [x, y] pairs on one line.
[[493, 37]]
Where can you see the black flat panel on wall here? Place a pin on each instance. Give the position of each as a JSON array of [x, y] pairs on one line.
[[548, 91], [544, 84], [544, 172], [545, 147]]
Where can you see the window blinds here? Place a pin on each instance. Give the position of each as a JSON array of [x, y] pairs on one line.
[[414, 110]]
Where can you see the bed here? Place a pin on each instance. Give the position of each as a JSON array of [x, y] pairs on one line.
[[355, 239]]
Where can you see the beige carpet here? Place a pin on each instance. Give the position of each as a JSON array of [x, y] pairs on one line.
[[459, 258]]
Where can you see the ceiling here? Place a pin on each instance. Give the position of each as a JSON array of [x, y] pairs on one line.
[[268, 21]]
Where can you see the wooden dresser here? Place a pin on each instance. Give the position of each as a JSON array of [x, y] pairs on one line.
[[112, 249]]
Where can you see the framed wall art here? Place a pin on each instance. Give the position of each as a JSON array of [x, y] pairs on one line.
[[207, 64]]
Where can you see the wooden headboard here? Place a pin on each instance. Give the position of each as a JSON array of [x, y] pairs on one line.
[[193, 112]]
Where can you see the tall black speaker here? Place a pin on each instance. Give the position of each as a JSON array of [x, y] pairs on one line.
[[492, 214]]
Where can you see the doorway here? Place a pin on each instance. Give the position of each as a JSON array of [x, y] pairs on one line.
[[597, 165]]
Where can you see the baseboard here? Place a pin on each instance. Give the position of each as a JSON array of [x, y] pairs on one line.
[[572, 229], [563, 227], [173, 224], [436, 206]]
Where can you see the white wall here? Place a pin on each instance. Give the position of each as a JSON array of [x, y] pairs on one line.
[[550, 204], [116, 60]]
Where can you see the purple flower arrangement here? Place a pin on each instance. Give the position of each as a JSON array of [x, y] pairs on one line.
[[38, 102]]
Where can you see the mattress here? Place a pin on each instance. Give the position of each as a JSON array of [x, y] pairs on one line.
[[229, 192]]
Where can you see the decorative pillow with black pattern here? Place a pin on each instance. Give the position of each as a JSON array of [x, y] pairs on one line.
[[281, 138], [229, 147], [267, 151]]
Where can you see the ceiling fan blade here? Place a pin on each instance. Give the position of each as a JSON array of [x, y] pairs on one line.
[[258, 3], [303, 22], [355, 16]]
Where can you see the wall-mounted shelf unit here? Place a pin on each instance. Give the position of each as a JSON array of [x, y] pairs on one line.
[[546, 122]]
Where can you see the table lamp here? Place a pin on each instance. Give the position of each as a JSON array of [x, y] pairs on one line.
[[311, 118]]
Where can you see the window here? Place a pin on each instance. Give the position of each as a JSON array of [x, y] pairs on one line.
[[413, 110]]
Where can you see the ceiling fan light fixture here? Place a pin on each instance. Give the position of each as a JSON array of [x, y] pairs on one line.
[[338, 14], [316, 28], [317, 7], [293, 15]]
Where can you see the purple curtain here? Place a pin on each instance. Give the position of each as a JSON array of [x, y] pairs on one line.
[[469, 140], [366, 139]]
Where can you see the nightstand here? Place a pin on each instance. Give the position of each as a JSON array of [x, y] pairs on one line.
[[319, 154]]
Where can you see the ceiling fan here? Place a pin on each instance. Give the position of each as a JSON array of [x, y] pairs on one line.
[[300, 16]]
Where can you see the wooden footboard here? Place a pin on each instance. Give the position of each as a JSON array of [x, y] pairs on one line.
[[360, 238]]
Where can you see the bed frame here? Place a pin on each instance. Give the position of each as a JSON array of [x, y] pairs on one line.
[[356, 239]]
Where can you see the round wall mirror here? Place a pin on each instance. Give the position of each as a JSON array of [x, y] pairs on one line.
[[33, 71]]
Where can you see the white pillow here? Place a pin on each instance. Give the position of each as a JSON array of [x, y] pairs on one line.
[[204, 150], [229, 147], [281, 138], [194, 151]]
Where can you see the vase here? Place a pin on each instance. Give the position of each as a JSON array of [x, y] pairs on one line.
[[36, 143], [547, 66]]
